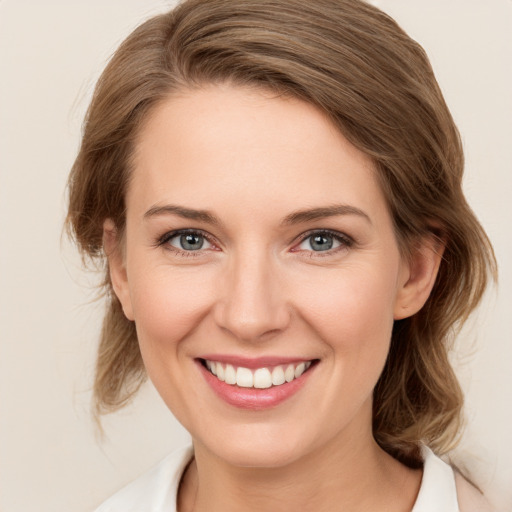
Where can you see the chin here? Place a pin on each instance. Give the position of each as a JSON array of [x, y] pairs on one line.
[[259, 447]]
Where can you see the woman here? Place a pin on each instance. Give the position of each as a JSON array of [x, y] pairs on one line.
[[277, 188]]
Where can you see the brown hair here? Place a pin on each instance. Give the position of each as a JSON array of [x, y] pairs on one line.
[[354, 63]]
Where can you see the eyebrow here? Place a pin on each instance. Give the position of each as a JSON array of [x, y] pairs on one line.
[[297, 217], [324, 212], [186, 213]]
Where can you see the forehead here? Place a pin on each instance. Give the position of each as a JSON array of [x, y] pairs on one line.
[[246, 146]]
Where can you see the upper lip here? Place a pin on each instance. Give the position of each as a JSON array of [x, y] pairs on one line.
[[254, 362]]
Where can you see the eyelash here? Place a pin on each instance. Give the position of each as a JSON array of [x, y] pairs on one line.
[[164, 239], [344, 240]]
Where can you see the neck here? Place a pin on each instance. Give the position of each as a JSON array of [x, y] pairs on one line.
[[352, 477]]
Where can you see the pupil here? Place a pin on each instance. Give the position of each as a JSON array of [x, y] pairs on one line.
[[191, 242], [321, 243]]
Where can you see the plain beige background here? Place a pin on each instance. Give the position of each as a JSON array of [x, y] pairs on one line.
[[50, 55]]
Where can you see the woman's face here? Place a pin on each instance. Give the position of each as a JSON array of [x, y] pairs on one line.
[[259, 244]]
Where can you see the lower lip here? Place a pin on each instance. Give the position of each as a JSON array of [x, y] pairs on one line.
[[252, 398]]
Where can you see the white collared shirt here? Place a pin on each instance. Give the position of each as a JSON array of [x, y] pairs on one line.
[[157, 489]]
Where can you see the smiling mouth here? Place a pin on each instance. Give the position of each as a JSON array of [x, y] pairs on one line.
[[259, 378]]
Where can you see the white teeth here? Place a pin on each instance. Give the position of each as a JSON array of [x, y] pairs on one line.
[[289, 373], [261, 378], [220, 372], [244, 378], [299, 370], [230, 375], [278, 376]]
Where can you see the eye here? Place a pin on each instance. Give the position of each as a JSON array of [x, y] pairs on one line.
[[188, 241], [319, 242], [323, 241]]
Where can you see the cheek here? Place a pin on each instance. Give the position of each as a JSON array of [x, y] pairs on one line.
[[352, 313], [351, 307], [168, 304]]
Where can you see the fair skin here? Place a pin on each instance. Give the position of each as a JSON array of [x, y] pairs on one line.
[[289, 256]]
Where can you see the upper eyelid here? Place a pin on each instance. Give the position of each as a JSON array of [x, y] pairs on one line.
[[171, 234], [332, 232]]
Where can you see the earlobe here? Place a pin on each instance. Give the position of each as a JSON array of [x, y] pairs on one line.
[[420, 276], [116, 265]]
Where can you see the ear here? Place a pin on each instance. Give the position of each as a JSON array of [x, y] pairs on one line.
[[112, 246], [419, 276]]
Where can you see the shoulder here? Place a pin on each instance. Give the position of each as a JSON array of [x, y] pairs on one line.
[[155, 490], [443, 488], [469, 497]]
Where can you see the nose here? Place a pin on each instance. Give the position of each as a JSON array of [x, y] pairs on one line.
[[252, 305]]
